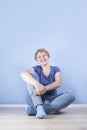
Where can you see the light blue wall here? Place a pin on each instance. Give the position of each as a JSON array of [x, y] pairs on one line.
[[60, 26]]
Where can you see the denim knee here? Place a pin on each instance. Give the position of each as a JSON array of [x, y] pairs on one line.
[[35, 75], [69, 92], [30, 87]]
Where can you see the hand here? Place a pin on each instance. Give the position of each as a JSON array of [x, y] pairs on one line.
[[36, 93], [40, 89]]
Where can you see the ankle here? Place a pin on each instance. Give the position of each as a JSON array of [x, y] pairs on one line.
[[40, 107], [40, 112]]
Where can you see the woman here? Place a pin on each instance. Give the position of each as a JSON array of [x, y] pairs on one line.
[[42, 83]]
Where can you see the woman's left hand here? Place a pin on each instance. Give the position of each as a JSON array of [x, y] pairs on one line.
[[41, 92]]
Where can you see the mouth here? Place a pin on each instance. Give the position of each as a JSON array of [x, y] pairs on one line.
[[43, 60]]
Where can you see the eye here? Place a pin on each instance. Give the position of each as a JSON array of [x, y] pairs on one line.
[[39, 57], [44, 55]]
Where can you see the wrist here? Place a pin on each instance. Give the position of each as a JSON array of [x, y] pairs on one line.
[[36, 84], [45, 89]]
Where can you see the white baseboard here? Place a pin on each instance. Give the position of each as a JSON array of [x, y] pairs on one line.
[[13, 105], [24, 105]]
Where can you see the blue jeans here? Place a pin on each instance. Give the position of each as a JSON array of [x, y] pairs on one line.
[[50, 103]]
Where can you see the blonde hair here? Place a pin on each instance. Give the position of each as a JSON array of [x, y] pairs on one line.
[[41, 50]]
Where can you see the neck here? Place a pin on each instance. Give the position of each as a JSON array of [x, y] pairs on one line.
[[44, 67]]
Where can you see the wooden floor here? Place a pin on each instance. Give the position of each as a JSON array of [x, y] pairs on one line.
[[73, 117]]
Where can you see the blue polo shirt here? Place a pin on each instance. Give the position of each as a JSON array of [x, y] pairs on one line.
[[45, 80]]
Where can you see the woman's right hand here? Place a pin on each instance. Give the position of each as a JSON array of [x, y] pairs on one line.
[[40, 89]]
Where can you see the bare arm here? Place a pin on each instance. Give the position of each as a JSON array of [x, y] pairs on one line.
[[27, 77], [56, 83]]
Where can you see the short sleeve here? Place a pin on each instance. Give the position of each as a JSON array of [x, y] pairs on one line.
[[56, 69], [36, 69]]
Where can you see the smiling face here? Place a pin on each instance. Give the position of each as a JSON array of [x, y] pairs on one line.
[[42, 57]]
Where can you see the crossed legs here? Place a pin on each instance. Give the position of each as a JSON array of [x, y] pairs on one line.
[[38, 107]]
